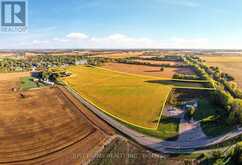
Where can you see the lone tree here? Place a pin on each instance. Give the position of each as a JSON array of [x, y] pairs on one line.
[[190, 112], [162, 69]]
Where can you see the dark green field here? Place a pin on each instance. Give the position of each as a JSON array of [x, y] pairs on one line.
[[211, 122]]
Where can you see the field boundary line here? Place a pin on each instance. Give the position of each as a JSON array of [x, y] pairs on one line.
[[142, 76], [81, 111], [146, 76], [195, 81], [158, 78], [129, 74], [197, 88], [163, 107], [108, 113]]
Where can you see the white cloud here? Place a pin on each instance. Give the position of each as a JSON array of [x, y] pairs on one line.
[[123, 41], [113, 41], [77, 36], [40, 42], [190, 42], [60, 39]]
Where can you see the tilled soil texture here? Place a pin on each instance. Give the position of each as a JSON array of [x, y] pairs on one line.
[[46, 125]]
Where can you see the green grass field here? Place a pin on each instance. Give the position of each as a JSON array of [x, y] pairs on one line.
[[28, 83], [129, 98], [212, 125], [167, 130]]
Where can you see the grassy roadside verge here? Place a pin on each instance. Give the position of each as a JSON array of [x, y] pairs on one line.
[[168, 129]]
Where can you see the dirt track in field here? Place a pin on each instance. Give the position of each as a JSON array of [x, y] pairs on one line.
[[46, 125], [147, 70]]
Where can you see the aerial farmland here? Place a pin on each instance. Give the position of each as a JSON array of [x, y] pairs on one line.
[[147, 70], [42, 122], [125, 82], [78, 104], [120, 95]]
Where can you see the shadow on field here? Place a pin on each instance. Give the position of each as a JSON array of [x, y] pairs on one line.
[[164, 82], [178, 83]]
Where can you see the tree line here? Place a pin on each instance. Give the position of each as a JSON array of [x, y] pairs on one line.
[[42, 62], [225, 95], [164, 58], [132, 61]]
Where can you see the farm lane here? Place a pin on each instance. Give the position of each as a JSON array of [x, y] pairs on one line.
[[190, 131]]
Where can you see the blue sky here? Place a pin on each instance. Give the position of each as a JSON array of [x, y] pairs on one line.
[[130, 24]]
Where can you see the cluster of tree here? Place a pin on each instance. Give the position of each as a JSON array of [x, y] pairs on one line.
[[97, 61], [131, 61], [53, 75], [199, 69], [232, 112], [225, 94], [226, 80], [185, 76], [42, 62], [166, 58], [14, 65], [232, 88], [235, 116], [190, 113], [223, 75], [232, 156], [48, 61]]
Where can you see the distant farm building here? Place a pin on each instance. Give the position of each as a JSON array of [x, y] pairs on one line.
[[81, 62], [190, 104]]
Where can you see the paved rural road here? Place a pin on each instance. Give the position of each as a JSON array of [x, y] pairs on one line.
[[156, 144]]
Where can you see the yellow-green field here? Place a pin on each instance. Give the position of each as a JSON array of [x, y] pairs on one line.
[[128, 98]]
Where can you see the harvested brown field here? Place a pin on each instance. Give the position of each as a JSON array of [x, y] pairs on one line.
[[147, 70], [228, 64], [7, 54], [159, 62], [131, 153], [13, 76], [46, 126], [119, 54]]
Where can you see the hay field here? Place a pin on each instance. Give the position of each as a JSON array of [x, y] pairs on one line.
[[147, 70], [126, 97], [228, 64], [44, 126]]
